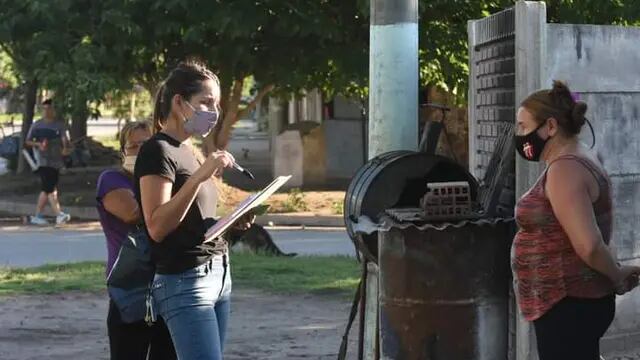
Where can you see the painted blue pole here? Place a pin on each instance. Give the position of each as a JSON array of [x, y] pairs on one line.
[[393, 76]]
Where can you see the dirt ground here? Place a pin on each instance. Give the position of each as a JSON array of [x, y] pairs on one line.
[[263, 326], [316, 202]]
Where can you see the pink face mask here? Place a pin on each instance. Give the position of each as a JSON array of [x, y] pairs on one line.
[[201, 122]]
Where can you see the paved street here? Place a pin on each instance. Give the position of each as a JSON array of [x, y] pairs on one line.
[[32, 246]]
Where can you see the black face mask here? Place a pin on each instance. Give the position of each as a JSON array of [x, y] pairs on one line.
[[530, 146]]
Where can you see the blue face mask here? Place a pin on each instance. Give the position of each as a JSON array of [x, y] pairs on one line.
[[201, 122]]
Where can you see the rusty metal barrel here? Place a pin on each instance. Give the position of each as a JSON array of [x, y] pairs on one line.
[[444, 290]]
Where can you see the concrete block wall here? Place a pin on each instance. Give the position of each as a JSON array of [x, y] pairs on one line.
[[344, 147], [601, 64]]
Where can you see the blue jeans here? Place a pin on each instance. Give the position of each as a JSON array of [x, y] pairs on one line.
[[195, 306]]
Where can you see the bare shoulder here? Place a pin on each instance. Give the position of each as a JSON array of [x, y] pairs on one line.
[[570, 176], [567, 175]]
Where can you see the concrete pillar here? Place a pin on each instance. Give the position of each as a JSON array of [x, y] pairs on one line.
[[393, 109], [304, 108], [393, 76], [371, 345], [314, 98], [292, 113], [531, 45], [288, 157], [276, 118], [471, 102]]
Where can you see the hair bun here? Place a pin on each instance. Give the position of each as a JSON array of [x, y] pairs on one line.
[[566, 102], [561, 91], [577, 115]]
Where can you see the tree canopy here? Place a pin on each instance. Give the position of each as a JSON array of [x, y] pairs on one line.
[[85, 49]]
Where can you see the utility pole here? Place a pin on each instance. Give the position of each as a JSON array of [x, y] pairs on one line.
[[393, 76], [393, 119]]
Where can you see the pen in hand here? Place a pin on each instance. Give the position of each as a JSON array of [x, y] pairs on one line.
[[243, 170], [235, 165]]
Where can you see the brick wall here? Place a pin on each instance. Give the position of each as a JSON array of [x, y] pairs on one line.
[[492, 85]]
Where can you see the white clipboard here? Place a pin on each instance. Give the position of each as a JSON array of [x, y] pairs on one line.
[[247, 204]]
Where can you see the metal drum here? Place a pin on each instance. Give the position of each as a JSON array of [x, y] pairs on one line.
[[396, 179], [444, 290]]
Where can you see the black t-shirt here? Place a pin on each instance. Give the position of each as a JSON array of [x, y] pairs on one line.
[[183, 248]]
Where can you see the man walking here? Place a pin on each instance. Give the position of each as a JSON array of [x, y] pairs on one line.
[[48, 139]]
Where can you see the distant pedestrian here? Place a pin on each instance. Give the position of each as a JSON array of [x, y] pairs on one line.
[[565, 273], [49, 141]]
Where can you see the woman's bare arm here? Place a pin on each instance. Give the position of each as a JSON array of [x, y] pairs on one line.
[[122, 204], [163, 213], [568, 191]]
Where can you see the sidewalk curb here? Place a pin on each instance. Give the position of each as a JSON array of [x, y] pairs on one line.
[[301, 220], [21, 208], [91, 213]]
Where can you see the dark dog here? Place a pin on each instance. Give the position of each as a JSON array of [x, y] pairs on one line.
[[257, 239]]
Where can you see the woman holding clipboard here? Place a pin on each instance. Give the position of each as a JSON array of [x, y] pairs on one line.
[[192, 286]]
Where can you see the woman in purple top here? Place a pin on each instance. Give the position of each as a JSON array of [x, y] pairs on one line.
[[118, 210]]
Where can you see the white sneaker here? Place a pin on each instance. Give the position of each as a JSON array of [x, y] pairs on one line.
[[37, 220], [62, 218]]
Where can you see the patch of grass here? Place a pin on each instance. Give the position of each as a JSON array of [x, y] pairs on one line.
[[295, 202], [337, 207], [300, 274], [84, 276], [17, 118], [304, 274], [108, 141], [6, 118]]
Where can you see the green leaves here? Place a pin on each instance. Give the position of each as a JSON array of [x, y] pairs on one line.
[[8, 78], [55, 43], [83, 49]]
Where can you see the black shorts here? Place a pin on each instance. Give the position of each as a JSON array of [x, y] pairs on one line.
[[49, 178]]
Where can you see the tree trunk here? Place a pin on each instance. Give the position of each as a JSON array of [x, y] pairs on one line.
[[226, 82], [31, 93], [132, 107], [79, 123], [150, 83], [219, 139], [222, 136]]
